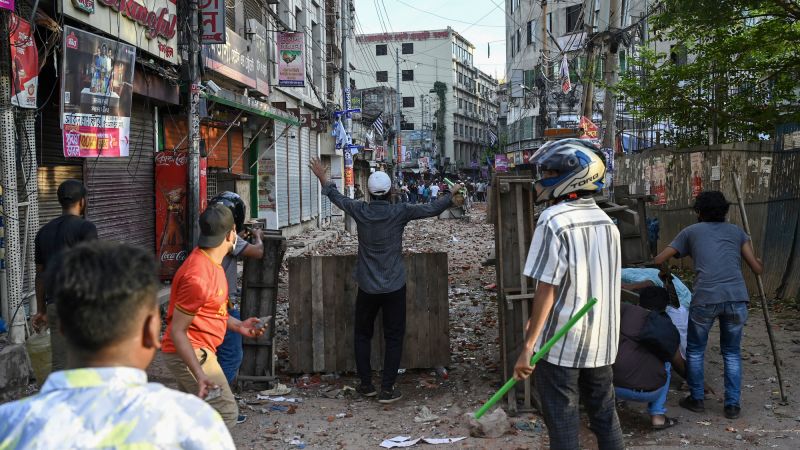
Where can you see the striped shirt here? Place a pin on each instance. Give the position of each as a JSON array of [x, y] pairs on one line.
[[576, 247]]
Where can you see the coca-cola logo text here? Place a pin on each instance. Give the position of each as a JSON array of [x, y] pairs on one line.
[[173, 256], [169, 159]]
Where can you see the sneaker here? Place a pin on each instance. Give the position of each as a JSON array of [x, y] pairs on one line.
[[387, 397], [367, 390], [692, 405], [732, 411], [241, 419]]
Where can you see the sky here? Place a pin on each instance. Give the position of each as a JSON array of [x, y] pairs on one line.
[[479, 21]]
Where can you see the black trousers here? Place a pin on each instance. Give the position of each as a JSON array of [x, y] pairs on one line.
[[562, 388], [393, 308]]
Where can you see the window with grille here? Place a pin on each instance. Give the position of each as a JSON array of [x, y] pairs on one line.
[[408, 75], [380, 50], [382, 76], [407, 126], [573, 18], [408, 102], [408, 49]]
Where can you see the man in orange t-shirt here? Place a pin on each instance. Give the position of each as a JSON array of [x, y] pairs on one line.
[[197, 317]]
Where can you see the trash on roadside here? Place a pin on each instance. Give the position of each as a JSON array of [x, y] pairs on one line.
[[277, 408], [279, 399], [406, 441], [425, 416], [297, 442], [492, 425], [280, 389], [436, 441], [331, 393], [342, 415]]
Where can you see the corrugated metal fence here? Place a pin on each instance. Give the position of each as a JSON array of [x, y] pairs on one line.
[[770, 184]]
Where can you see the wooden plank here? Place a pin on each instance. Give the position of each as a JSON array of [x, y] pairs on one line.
[[317, 314], [295, 315], [304, 332], [412, 280], [332, 303], [344, 313], [422, 310], [350, 292], [440, 326]]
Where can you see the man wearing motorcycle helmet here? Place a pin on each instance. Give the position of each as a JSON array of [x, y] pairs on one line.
[[574, 256], [230, 353]]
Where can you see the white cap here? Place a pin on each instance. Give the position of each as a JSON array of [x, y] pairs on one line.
[[379, 183]]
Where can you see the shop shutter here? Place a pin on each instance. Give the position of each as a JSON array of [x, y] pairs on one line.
[[252, 10], [281, 172], [49, 180], [294, 176], [326, 202], [305, 172], [121, 197], [312, 181]]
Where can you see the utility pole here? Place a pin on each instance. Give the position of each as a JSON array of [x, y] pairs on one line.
[[543, 38], [399, 140], [348, 122], [587, 99], [611, 66], [193, 175]]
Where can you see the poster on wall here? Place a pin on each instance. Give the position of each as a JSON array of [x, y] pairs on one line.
[[24, 63], [170, 181], [659, 188], [97, 91], [291, 61], [500, 163], [267, 203], [696, 163]]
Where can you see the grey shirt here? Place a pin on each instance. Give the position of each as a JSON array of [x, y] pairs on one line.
[[230, 266], [379, 266], [716, 248]]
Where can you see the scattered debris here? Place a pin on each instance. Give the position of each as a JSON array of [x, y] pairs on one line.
[[425, 416], [492, 425], [279, 399], [280, 389], [406, 441]]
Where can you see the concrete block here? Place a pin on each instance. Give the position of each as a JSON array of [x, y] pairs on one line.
[[15, 367]]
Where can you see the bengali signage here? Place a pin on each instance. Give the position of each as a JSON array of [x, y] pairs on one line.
[[291, 60], [97, 87], [24, 63], [212, 21], [500, 163], [233, 59], [150, 25], [259, 52]]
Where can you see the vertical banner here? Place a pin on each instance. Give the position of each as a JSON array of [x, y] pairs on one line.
[[24, 63], [696, 164], [291, 61], [267, 203], [349, 181], [170, 173], [97, 90], [212, 21]]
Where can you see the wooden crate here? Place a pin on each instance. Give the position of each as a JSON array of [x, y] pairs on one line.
[[322, 297]]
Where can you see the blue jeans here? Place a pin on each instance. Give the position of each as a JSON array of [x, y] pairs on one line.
[[230, 352], [656, 400], [732, 317]]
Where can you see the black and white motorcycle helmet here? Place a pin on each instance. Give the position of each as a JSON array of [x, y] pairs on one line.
[[579, 164]]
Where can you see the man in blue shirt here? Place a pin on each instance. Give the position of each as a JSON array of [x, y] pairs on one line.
[[717, 249], [380, 273]]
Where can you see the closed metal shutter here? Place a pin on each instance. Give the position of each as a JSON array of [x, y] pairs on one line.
[[312, 180], [326, 202], [121, 196], [281, 172], [305, 172], [53, 167], [294, 177], [252, 10]]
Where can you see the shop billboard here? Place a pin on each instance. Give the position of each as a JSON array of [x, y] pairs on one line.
[[291, 60], [150, 25], [97, 91], [24, 63], [212, 21]]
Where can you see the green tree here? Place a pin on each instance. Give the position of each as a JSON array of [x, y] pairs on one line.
[[734, 69], [440, 89]]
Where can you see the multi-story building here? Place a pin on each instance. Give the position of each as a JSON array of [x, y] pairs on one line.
[[538, 35], [426, 57]]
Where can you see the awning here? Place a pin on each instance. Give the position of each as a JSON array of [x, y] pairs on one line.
[[251, 105]]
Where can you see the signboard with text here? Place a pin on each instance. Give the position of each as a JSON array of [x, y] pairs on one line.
[[151, 25], [232, 59], [212, 21], [291, 60], [24, 63], [97, 90], [258, 50], [500, 163]]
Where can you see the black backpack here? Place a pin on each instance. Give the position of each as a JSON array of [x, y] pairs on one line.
[[659, 335]]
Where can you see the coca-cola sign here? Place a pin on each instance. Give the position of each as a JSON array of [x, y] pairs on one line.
[[178, 256], [172, 158]]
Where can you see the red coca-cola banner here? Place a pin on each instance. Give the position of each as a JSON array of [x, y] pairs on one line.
[[171, 180]]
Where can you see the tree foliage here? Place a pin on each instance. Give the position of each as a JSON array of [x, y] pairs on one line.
[[741, 75], [441, 90]]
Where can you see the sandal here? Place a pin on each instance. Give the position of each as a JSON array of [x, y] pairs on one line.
[[669, 422]]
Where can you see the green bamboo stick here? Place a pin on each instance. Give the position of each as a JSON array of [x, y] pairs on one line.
[[535, 358]]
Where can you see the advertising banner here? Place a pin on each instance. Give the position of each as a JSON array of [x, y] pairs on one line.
[[696, 160], [7, 4], [659, 183], [500, 163], [24, 63], [589, 130], [97, 89], [291, 60], [150, 25], [212, 21], [267, 208], [232, 59], [171, 244], [510, 161], [258, 50]]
